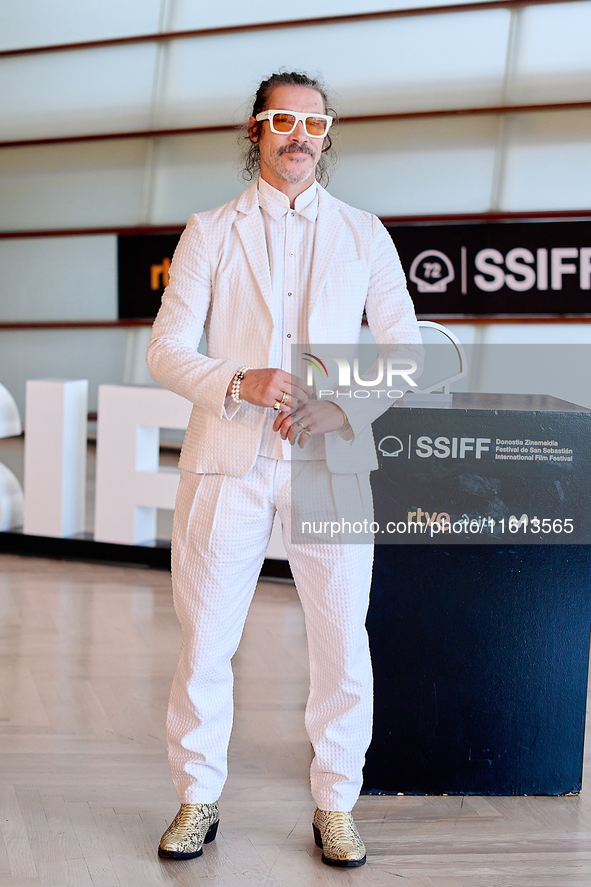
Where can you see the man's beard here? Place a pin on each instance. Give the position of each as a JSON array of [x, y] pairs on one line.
[[293, 174]]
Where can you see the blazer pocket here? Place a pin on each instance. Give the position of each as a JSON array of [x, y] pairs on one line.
[[347, 267]]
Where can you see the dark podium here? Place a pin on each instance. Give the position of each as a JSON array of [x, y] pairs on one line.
[[480, 632]]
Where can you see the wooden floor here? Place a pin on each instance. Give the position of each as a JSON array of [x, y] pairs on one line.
[[86, 659]]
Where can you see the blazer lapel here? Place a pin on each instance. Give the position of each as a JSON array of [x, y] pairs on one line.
[[251, 231], [329, 230]]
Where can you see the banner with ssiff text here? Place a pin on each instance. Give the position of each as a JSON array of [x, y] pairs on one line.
[[480, 268], [498, 268]]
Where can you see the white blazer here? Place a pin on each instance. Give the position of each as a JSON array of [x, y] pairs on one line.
[[220, 282]]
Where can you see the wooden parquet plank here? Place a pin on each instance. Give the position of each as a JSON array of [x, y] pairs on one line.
[[14, 835]]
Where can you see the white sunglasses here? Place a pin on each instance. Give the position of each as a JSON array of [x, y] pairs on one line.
[[284, 122]]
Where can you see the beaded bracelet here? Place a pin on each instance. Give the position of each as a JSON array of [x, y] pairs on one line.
[[239, 376]]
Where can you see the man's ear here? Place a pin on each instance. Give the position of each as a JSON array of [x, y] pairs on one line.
[[253, 130]]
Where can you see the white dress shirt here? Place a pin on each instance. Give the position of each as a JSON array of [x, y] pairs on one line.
[[289, 234]]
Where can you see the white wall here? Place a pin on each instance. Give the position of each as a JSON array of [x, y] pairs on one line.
[[58, 278], [454, 164], [97, 355]]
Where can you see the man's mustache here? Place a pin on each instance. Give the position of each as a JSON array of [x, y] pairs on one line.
[[291, 149]]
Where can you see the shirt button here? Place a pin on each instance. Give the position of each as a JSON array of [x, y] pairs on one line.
[[289, 335], [289, 294], [293, 214], [291, 254]]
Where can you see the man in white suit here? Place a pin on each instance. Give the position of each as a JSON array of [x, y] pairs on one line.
[[284, 263]]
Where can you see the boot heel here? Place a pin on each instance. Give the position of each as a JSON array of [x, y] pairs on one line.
[[317, 836], [211, 833]]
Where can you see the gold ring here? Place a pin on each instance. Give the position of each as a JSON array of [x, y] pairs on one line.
[[277, 405], [285, 396], [307, 431], [300, 424]]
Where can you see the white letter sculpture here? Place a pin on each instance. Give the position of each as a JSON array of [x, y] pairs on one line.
[[130, 487], [55, 457], [11, 493]]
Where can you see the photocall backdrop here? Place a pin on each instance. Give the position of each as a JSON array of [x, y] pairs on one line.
[[480, 268]]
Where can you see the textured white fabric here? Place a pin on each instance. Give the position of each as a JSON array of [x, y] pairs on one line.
[[221, 531], [220, 280]]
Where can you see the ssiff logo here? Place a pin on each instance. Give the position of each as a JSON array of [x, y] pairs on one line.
[[390, 445], [432, 270]]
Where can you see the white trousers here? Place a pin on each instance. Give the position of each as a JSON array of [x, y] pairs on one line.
[[221, 531]]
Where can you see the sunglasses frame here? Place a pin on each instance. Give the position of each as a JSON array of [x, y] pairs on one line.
[[268, 115]]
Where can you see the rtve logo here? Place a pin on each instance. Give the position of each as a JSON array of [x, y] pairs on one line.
[[157, 272]]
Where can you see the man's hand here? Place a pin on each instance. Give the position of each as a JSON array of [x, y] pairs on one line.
[[317, 416], [265, 387]]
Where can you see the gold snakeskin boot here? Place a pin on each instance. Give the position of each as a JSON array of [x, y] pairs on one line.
[[336, 834], [193, 826]]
